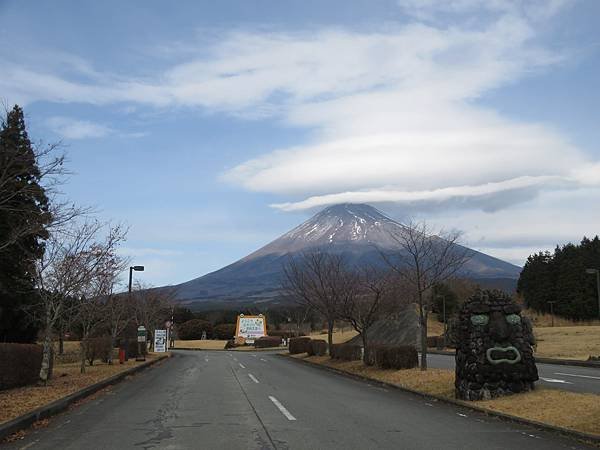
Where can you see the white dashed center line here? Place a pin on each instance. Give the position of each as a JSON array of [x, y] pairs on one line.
[[253, 378], [242, 366], [262, 359], [281, 408]]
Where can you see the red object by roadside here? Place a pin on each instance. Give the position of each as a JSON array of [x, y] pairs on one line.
[[121, 355]]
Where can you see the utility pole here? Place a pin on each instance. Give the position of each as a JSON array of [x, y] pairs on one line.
[[597, 272], [552, 311]]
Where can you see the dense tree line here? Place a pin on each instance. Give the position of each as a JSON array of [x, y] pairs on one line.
[[561, 277]]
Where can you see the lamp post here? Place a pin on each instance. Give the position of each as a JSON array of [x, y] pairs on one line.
[[131, 269], [137, 269], [597, 273]]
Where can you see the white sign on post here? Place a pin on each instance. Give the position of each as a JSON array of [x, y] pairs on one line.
[[160, 341]]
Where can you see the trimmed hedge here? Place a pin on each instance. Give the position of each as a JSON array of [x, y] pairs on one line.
[[299, 345], [346, 352], [267, 341], [395, 356], [317, 347], [20, 364], [435, 341], [131, 348], [285, 333]]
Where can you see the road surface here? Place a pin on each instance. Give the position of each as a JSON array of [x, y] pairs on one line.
[[569, 378], [243, 400]]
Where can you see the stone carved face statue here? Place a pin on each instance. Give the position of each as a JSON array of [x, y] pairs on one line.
[[494, 354]]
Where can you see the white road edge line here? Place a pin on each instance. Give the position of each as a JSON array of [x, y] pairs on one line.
[[574, 375], [554, 380], [281, 408], [253, 378], [242, 366]]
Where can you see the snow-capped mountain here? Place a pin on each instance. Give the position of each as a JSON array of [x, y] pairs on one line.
[[356, 230]]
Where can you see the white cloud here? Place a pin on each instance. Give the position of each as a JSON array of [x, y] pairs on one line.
[[69, 128], [394, 112]]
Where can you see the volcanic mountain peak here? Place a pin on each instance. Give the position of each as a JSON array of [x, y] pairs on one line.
[[356, 230], [344, 223]]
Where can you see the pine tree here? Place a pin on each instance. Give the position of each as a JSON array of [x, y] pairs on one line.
[[24, 216]]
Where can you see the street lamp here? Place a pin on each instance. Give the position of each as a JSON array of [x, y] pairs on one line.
[[597, 273], [131, 269], [140, 356]]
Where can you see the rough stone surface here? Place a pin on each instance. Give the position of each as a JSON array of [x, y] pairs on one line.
[[494, 356]]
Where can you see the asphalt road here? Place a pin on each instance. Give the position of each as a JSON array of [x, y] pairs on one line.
[[569, 378], [235, 400]]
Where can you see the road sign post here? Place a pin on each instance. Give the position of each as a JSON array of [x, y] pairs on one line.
[[160, 341], [141, 338]]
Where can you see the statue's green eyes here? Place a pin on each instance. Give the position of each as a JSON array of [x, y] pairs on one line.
[[513, 319], [479, 319]]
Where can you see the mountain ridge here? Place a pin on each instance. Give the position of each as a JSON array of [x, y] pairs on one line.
[[356, 230]]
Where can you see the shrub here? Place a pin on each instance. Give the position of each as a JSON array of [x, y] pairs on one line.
[[97, 348], [287, 334], [396, 356], [131, 348], [299, 345], [317, 347], [20, 364], [267, 341], [349, 352], [192, 329], [334, 351], [224, 331]]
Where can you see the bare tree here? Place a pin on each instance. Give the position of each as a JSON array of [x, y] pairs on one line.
[[152, 307], [422, 259], [374, 296], [320, 281], [71, 268]]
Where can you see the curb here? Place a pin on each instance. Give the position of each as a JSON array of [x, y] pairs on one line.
[[580, 436], [541, 360], [62, 404]]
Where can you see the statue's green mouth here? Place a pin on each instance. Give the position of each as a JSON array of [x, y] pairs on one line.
[[498, 355]]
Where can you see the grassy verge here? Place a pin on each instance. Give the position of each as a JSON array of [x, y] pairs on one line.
[[66, 380], [206, 344], [568, 342], [578, 412]]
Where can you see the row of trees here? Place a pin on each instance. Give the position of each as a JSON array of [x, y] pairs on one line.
[[324, 282], [60, 268], [561, 278]]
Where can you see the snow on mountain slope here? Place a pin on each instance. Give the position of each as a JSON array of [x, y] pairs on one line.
[[357, 230]]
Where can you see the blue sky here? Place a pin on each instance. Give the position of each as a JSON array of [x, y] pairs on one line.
[[210, 128]]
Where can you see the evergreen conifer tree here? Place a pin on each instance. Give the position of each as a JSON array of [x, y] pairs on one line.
[[24, 216]]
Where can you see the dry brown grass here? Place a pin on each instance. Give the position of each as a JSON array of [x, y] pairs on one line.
[[579, 412], [568, 342], [339, 335], [545, 320], [65, 381], [206, 344]]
